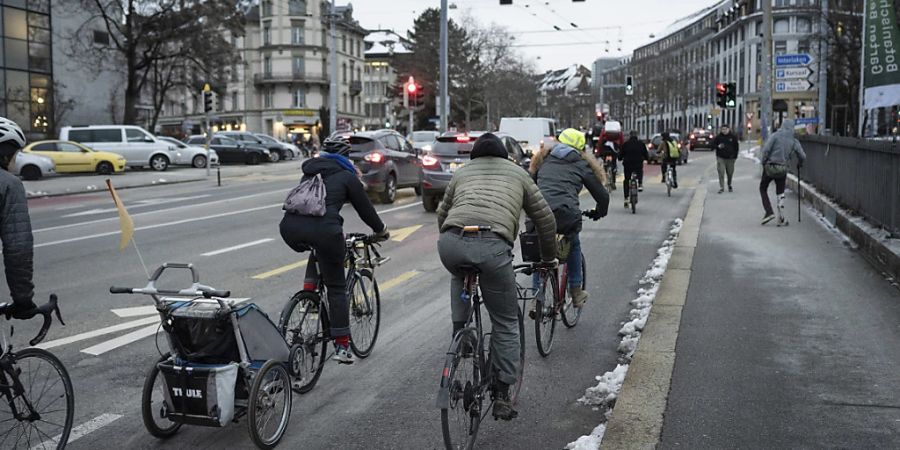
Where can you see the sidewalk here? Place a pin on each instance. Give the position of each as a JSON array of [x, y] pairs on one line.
[[788, 338], [82, 183]]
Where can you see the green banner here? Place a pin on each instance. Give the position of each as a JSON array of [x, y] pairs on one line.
[[881, 77]]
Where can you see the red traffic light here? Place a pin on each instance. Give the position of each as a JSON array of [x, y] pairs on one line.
[[720, 88], [411, 87]]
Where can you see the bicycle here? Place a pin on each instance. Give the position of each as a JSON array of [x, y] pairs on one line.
[[560, 305], [670, 181], [304, 320], [609, 163], [467, 378], [633, 192], [26, 420]]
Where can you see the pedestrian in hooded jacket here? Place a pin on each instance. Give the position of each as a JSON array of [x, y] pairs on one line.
[[727, 146], [776, 158]]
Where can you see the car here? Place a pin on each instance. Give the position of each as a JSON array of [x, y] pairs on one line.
[[32, 167], [192, 155], [423, 140], [452, 151], [136, 145], [230, 150], [700, 138], [291, 150], [532, 133], [73, 157], [387, 162], [656, 156], [276, 151]]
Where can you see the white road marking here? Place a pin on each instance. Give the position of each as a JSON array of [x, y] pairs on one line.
[[136, 204], [237, 247], [134, 311], [99, 332], [125, 339], [90, 426], [399, 208]]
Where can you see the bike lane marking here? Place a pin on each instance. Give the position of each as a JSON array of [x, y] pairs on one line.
[[98, 332], [393, 282], [123, 340], [84, 429], [237, 247], [280, 270]]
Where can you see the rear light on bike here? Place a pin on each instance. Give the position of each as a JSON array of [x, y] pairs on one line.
[[430, 161], [374, 157], [309, 286], [693, 137]]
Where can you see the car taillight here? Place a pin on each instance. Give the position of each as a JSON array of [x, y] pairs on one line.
[[679, 145], [693, 137], [374, 157], [462, 139], [650, 146], [429, 161]]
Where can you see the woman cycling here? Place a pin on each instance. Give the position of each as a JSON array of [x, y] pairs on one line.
[[325, 234]]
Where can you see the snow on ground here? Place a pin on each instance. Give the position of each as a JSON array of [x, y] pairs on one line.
[[603, 395], [751, 154]]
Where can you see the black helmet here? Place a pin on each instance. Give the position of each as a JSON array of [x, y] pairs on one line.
[[336, 146], [12, 139]]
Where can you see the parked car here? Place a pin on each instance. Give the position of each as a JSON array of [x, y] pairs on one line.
[[232, 151], [72, 157], [290, 150], [276, 151], [532, 133], [700, 138], [423, 140], [452, 151], [31, 166], [192, 155], [136, 145], [387, 163], [656, 156]]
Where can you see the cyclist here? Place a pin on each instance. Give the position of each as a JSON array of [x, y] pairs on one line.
[[326, 234], [609, 154], [491, 190], [633, 155], [670, 156], [561, 172], [15, 225]]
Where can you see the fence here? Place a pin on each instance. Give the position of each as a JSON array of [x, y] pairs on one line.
[[862, 176]]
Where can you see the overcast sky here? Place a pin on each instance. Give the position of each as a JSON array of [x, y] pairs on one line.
[[532, 21]]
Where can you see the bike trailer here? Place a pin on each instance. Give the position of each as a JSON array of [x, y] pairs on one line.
[[199, 394]]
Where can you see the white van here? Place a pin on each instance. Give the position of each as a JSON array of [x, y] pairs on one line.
[[533, 133], [139, 147]]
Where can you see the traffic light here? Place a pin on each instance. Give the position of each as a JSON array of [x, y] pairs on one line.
[[730, 95], [629, 85], [721, 90], [420, 94], [207, 98], [409, 91]]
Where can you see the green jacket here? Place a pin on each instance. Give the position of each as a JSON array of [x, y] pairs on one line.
[[493, 191]]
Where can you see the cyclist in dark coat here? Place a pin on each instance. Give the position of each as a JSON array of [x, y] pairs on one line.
[[633, 155], [15, 224], [326, 235]]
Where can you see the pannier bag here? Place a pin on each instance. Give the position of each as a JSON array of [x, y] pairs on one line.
[[199, 394], [307, 199]]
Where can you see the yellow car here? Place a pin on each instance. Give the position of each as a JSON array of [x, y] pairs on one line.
[[74, 157]]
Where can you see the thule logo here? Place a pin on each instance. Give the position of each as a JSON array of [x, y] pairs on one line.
[[189, 393]]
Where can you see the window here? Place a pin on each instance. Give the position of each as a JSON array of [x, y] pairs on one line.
[[134, 135], [16, 53], [267, 34], [344, 73], [297, 7], [266, 8], [344, 43], [267, 99], [14, 24], [68, 147], [234, 101], [782, 26], [780, 47], [299, 99], [803, 46], [267, 65], [299, 65], [803, 25], [44, 147], [96, 135], [297, 33], [39, 57], [101, 37]]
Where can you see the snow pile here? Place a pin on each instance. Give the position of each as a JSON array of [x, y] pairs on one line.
[[603, 395], [751, 154], [91, 187], [36, 193]]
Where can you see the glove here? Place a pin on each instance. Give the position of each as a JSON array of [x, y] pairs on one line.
[[23, 310], [593, 215], [383, 235]]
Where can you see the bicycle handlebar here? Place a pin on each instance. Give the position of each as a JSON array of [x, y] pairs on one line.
[[193, 291], [45, 310]]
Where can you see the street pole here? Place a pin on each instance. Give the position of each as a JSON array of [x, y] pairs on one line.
[[445, 106], [823, 69], [767, 71], [332, 91], [862, 74], [207, 91], [410, 120]]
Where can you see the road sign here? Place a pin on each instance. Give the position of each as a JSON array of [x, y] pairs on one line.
[[793, 72], [806, 121], [801, 59], [792, 86]]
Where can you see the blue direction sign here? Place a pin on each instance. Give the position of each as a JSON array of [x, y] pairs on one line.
[[801, 59], [807, 121]]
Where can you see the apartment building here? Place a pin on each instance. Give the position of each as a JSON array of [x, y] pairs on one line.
[[380, 77]]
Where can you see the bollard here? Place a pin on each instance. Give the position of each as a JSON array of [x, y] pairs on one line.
[[219, 175]]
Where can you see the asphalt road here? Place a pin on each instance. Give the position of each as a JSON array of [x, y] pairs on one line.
[[385, 401]]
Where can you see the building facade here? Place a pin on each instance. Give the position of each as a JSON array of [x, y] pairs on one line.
[[26, 66], [281, 85], [565, 95], [675, 76], [379, 78]]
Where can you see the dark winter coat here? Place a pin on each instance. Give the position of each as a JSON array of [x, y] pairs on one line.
[[634, 153], [341, 186], [15, 233], [726, 146], [562, 174]]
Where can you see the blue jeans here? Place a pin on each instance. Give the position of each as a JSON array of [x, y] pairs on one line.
[[576, 278]]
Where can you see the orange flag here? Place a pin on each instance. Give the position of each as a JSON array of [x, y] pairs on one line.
[[125, 221]]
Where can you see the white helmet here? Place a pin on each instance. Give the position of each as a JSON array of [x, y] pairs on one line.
[[10, 132]]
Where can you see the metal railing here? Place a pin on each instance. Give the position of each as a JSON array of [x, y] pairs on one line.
[[287, 77], [860, 175]]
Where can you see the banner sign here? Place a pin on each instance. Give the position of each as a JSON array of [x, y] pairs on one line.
[[881, 75]]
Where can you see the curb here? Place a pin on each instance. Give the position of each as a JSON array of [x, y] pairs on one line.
[[873, 248], [30, 195]]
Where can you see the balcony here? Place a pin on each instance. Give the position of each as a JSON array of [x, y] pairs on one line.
[[289, 77], [355, 88]]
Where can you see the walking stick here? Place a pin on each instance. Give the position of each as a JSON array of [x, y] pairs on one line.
[[799, 193]]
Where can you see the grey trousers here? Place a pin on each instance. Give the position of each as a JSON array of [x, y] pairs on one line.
[[493, 257], [725, 166]]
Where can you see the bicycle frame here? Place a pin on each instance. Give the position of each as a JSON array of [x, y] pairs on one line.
[[15, 389]]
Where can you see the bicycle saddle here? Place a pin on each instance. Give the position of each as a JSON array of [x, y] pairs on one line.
[[469, 269]]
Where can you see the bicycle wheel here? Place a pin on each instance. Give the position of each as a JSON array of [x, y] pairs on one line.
[[462, 394], [301, 324], [669, 183], [153, 405], [270, 404], [545, 312], [48, 389], [365, 312], [571, 314]]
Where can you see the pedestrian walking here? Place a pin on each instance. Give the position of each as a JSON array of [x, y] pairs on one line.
[[776, 155], [633, 155], [727, 146]]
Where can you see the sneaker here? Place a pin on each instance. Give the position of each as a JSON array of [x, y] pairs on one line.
[[640, 188], [721, 190], [768, 218], [503, 408], [627, 205], [674, 185], [730, 189], [342, 354], [579, 297]]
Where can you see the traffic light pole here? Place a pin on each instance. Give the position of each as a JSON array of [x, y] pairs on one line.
[[766, 106], [207, 101], [445, 98]]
